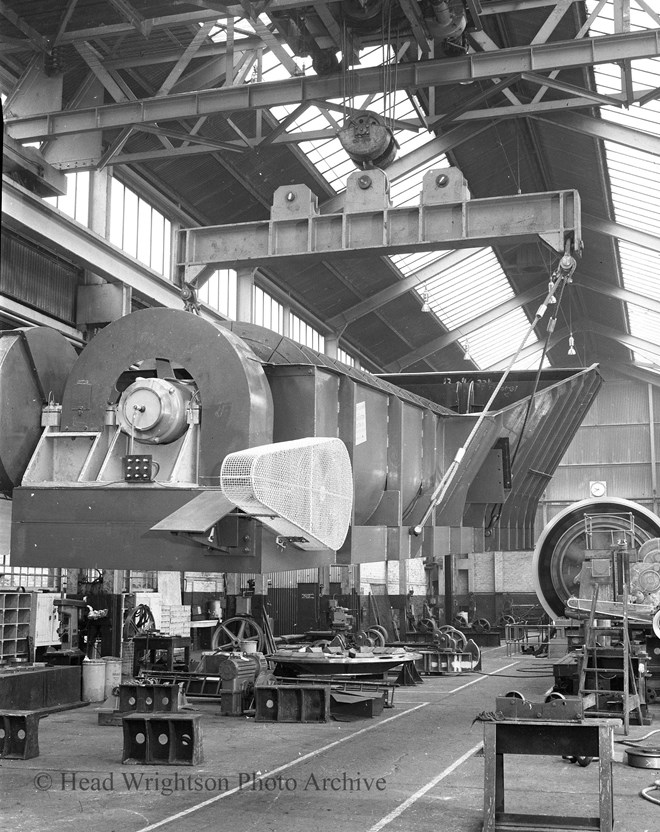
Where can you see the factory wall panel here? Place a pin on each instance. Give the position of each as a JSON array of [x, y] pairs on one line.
[[483, 579], [630, 481], [607, 443], [619, 403], [37, 278], [282, 605], [517, 573], [616, 445], [502, 572]]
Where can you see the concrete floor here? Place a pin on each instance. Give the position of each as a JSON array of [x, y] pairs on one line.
[[418, 766]]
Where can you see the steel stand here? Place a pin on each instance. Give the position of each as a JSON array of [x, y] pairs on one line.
[[559, 739]]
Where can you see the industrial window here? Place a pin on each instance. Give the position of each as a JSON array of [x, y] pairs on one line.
[[267, 311], [75, 203], [345, 358], [305, 334], [137, 581], [28, 577], [139, 229], [219, 292]]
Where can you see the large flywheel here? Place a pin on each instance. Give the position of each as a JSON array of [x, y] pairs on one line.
[[560, 549]]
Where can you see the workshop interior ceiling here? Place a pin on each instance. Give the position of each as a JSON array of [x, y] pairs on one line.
[[515, 103]]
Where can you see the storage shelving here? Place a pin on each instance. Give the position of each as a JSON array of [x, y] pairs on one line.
[[15, 612]]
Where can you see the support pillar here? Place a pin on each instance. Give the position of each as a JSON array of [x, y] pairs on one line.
[[449, 589], [324, 580], [244, 295], [331, 345]]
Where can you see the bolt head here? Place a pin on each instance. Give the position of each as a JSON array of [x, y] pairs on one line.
[[291, 197], [442, 180], [364, 182]]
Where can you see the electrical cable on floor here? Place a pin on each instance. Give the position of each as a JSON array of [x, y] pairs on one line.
[[645, 792], [639, 739]]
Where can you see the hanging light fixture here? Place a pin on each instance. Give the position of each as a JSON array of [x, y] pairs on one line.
[[571, 340], [425, 300]]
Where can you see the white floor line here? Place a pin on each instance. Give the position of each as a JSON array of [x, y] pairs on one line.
[[481, 678], [274, 771], [401, 808], [444, 693], [421, 792]]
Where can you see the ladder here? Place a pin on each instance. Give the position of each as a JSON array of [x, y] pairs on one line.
[[599, 662]]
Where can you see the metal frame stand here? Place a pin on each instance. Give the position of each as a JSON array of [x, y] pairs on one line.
[[592, 739]]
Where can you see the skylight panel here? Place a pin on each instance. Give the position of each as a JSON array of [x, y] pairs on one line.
[[531, 362], [634, 177], [644, 325], [495, 344], [410, 263], [642, 268], [466, 290]]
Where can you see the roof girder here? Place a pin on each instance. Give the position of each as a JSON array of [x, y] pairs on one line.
[[621, 232], [618, 293], [599, 128], [479, 66]]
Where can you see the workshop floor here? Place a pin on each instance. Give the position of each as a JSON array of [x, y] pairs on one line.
[[418, 766]]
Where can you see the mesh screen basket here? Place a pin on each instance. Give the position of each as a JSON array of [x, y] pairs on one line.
[[302, 489]]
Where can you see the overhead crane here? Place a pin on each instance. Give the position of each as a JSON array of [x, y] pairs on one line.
[[162, 408]]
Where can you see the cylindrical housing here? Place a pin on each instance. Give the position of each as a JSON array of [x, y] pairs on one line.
[[153, 410]]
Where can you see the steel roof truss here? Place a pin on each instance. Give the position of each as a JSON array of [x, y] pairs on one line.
[[188, 54], [617, 293], [621, 232], [479, 66], [604, 129]]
